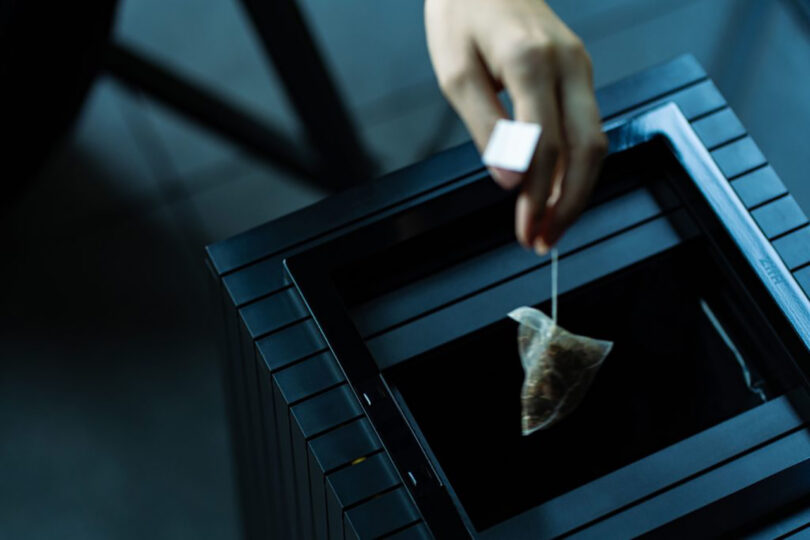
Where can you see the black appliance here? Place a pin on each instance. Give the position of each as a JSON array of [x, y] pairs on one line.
[[374, 375]]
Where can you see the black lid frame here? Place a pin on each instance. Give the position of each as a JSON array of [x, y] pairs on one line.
[[711, 201]]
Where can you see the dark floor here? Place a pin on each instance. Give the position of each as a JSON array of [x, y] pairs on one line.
[[111, 413]]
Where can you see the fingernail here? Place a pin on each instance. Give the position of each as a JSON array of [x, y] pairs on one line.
[[507, 179], [540, 247]]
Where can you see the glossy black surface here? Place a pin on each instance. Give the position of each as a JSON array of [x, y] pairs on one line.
[[736, 242], [668, 376]]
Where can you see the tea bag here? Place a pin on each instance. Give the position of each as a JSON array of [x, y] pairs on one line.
[[559, 366]]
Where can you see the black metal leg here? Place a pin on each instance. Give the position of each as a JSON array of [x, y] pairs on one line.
[[203, 107], [312, 92]]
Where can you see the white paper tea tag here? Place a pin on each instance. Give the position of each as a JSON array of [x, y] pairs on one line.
[[511, 145]]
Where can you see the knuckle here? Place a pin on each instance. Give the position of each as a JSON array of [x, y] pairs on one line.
[[453, 80], [529, 57], [572, 48], [572, 52]]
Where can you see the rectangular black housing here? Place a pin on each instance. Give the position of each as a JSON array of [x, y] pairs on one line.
[[393, 286]]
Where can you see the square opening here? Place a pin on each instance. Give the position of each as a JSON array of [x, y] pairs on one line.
[[692, 346], [682, 349]]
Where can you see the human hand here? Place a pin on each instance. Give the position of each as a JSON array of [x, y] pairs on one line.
[[479, 47]]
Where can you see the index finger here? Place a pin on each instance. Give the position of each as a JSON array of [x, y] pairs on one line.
[[535, 98], [471, 90], [587, 145]]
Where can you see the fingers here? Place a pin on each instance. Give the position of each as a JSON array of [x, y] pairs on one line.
[[462, 76], [476, 46], [586, 144], [530, 77], [472, 93]]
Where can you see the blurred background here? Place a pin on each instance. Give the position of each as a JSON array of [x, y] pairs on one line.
[[112, 421]]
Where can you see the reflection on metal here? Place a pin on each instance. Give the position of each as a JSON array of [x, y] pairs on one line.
[[746, 373]]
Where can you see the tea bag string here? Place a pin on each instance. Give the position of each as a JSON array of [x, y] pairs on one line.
[[554, 285]]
